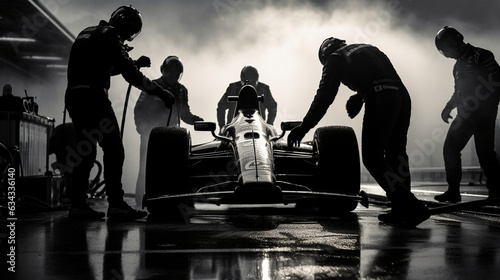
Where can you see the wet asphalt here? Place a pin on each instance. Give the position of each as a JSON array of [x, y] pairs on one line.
[[260, 242]]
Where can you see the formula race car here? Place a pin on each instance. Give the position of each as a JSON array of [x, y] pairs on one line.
[[249, 162]]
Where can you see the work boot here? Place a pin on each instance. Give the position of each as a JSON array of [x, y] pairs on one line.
[[390, 217], [122, 211], [449, 196], [84, 212], [406, 210]]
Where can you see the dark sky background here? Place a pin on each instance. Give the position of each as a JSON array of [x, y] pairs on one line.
[[216, 38]]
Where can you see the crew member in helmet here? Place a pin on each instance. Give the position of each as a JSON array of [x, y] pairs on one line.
[[249, 75], [149, 112], [98, 53], [476, 97], [366, 70]]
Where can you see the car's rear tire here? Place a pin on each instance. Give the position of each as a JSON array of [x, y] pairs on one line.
[[166, 168], [338, 170]]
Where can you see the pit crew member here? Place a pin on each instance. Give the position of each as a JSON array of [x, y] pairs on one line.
[[98, 53], [249, 75], [363, 68], [149, 112], [476, 97]]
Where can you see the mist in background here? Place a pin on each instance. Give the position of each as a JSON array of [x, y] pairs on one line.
[[216, 38]]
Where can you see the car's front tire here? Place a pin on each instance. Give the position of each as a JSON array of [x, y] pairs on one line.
[[166, 168], [338, 169]]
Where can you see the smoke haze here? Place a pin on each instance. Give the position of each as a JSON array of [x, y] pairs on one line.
[[215, 39]]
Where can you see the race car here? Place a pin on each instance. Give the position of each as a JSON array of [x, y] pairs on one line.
[[249, 162]]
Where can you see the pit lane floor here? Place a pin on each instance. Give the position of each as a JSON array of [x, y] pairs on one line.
[[274, 242]]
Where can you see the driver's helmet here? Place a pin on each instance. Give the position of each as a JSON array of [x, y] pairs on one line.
[[329, 46], [448, 41], [249, 75], [247, 98], [128, 21], [172, 69]]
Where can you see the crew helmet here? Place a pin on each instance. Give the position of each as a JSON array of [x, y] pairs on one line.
[[128, 21], [329, 46], [448, 41], [172, 68], [250, 75]]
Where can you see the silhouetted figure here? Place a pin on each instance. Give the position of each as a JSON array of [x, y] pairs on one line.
[[249, 75], [476, 97], [9, 102], [366, 70], [150, 112], [7, 90], [98, 53]]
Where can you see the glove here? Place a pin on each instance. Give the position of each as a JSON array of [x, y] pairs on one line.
[[446, 114], [196, 119], [143, 61], [296, 136], [127, 48], [166, 96], [354, 105]]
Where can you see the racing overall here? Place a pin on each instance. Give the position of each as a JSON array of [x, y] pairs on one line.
[[476, 97], [233, 89], [97, 53], [365, 69], [150, 112]]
